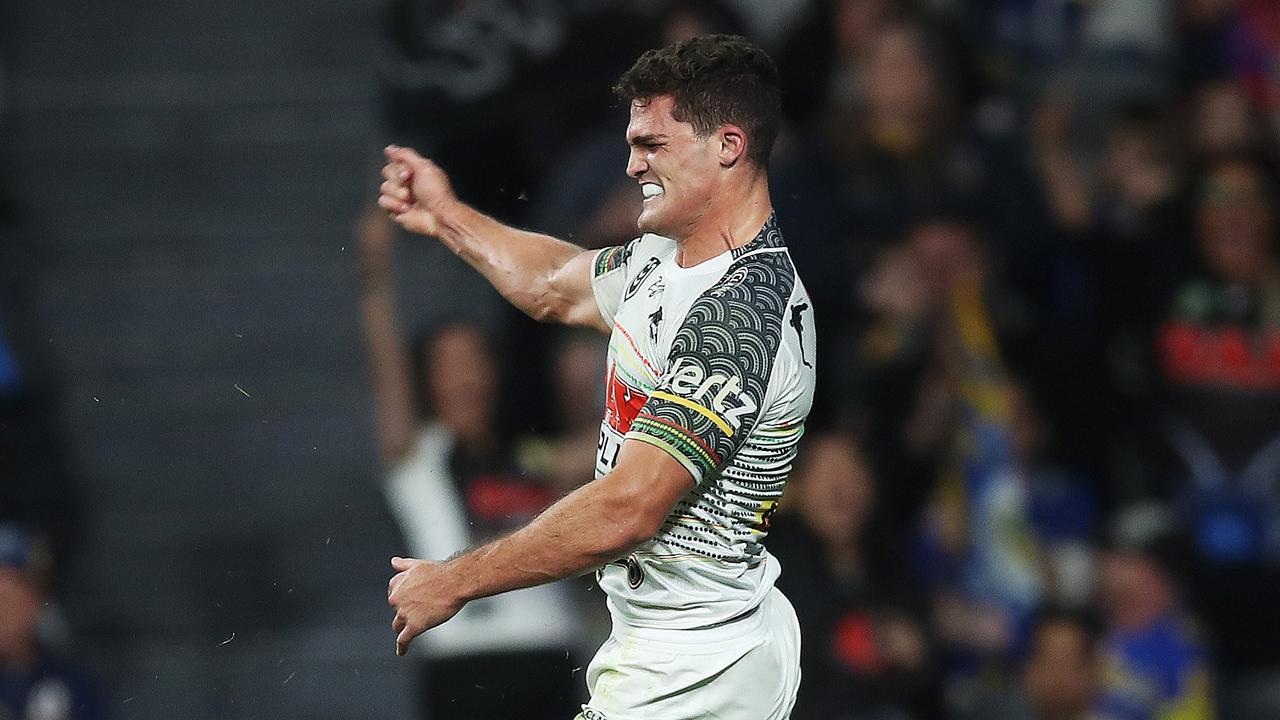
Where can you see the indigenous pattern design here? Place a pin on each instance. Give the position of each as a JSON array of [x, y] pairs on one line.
[[611, 259], [707, 363], [721, 359]]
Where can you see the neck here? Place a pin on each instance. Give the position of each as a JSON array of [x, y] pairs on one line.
[[727, 224]]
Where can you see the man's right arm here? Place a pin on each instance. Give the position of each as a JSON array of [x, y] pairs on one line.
[[546, 278]]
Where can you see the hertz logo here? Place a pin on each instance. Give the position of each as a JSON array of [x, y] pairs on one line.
[[718, 397]]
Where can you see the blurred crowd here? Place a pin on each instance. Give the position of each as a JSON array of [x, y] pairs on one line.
[[1043, 478]]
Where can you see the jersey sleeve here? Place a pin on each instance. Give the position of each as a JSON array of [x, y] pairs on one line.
[[720, 367], [609, 278]]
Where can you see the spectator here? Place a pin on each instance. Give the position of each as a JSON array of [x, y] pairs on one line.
[[941, 361], [938, 341], [1216, 351], [1155, 666], [898, 137], [34, 682], [569, 456], [1237, 39], [1214, 345], [454, 480], [1122, 244], [829, 43], [1224, 122], [866, 652], [1062, 676]]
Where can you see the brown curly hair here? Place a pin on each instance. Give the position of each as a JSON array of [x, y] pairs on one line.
[[715, 80]]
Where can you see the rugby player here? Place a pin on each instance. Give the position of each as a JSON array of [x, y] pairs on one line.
[[710, 378]]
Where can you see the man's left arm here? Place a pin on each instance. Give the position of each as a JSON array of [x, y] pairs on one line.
[[598, 523]]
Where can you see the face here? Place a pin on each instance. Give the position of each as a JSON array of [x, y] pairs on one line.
[[836, 491], [21, 603], [1061, 675], [945, 252], [1235, 224], [1222, 121], [463, 381], [856, 24], [1131, 587], [678, 171], [900, 79]]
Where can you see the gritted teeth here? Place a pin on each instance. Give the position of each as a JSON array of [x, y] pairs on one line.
[[649, 190]]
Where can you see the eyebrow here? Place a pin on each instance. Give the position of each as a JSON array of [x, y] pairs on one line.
[[646, 139]]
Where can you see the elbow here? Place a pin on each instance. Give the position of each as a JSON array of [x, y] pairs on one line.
[[545, 313], [624, 538], [546, 305], [647, 523], [632, 536], [635, 522]]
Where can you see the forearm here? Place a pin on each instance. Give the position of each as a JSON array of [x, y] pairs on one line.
[[521, 265], [595, 524], [394, 415], [586, 529]]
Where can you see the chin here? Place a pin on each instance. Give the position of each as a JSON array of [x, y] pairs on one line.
[[644, 223], [651, 221]]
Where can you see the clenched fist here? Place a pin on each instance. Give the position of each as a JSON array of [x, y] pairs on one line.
[[415, 191]]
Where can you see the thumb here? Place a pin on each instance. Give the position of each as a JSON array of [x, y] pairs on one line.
[[417, 220], [405, 155], [401, 564], [402, 641]]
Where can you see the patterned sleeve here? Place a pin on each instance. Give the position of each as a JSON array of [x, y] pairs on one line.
[[609, 278], [713, 390]]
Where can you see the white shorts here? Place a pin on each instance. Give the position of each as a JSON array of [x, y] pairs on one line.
[[747, 669]]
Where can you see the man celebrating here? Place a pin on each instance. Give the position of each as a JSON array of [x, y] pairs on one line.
[[709, 378]]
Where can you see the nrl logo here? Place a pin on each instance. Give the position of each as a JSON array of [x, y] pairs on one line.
[[640, 277]]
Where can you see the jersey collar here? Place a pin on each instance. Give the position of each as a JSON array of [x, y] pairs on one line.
[[768, 237]]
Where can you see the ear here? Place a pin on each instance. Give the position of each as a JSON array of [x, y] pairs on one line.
[[733, 145]]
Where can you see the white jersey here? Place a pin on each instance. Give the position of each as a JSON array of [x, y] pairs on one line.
[[715, 365]]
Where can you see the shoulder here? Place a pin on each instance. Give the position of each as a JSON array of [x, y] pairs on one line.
[[756, 288], [1167, 649], [738, 321], [620, 257]]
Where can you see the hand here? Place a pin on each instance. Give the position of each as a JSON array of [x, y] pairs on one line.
[[422, 597], [415, 191]]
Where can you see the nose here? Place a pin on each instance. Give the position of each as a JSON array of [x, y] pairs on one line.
[[636, 165]]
